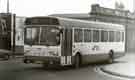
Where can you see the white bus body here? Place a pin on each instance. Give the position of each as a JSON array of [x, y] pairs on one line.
[[79, 41]]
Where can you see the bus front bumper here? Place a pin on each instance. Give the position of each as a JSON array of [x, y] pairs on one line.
[[42, 59]]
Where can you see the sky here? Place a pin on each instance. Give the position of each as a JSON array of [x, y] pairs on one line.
[[47, 7]]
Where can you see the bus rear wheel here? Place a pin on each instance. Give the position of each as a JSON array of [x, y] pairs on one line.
[[26, 61], [111, 57], [77, 61]]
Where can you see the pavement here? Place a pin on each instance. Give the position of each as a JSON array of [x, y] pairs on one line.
[[123, 67]]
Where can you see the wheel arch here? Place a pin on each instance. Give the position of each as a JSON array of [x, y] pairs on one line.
[[80, 56]]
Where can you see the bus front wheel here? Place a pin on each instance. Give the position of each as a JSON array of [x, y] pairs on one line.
[[26, 61]]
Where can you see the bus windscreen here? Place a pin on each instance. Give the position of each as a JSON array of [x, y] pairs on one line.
[[49, 36]]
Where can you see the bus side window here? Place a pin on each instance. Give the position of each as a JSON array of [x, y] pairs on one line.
[[87, 35], [95, 35], [111, 36], [122, 36], [104, 36], [78, 35], [118, 36]]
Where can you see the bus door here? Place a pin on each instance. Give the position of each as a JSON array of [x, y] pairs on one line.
[[66, 47]]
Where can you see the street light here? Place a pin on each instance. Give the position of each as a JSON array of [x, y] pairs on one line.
[[7, 6]]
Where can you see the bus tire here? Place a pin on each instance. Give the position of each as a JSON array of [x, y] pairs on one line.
[[77, 61], [111, 57], [26, 61]]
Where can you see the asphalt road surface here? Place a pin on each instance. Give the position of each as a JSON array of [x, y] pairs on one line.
[[15, 69]]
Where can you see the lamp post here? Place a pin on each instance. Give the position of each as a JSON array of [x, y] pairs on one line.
[[7, 6]]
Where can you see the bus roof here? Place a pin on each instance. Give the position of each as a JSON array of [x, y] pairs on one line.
[[88, 24], [69, 23]]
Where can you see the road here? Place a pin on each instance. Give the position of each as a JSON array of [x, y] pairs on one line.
[[14, 69]]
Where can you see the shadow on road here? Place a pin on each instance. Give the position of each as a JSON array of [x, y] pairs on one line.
[[53, 68]]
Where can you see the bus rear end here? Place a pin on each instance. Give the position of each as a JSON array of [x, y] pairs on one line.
[[42, 41]]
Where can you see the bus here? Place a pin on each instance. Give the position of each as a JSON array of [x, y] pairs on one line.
[[54, 40]]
